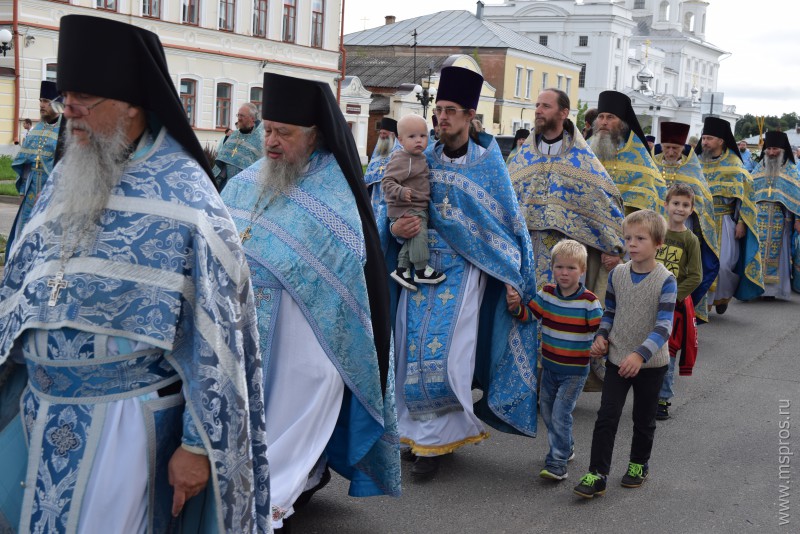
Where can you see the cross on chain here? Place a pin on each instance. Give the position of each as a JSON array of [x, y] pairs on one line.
[[56, 284], [247, 234]]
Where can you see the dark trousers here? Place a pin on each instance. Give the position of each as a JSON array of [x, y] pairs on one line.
[[646, 386]]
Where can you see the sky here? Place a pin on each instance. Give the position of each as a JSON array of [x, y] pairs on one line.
[[761, 76]]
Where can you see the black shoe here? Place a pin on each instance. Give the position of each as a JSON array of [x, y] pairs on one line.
[[635, 475], [429, 275], [407, 456], [403, 277], [662, 414], [304, 497], [590, 485], [722, 308], [425, 467]]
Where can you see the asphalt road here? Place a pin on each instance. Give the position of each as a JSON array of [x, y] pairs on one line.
[[715, 463]]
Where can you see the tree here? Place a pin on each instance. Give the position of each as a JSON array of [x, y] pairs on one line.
[[582, 108]]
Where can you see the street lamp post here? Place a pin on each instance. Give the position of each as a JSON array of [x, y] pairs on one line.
[[426, 95]]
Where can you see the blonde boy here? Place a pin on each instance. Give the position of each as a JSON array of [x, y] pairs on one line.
[[636, 324], [570, 314]]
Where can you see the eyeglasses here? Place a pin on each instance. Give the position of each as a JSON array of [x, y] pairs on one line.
[[449, 110], [81, 110]]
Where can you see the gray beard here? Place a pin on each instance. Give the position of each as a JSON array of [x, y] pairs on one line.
[[706, 156], [385, 146], [604, 144], [773, 165], [277, 177], [88, 175]]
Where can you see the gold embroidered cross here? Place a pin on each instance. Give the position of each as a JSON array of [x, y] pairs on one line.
[[434, 345]]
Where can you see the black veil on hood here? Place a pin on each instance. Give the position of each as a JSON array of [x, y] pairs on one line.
[[111, 59]]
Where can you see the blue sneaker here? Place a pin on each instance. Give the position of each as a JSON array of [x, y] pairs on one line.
[[551, 472]]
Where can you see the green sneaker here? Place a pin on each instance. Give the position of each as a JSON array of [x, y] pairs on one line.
[[635, 475], [590, 485]]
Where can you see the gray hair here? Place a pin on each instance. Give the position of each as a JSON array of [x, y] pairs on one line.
[[252, 109]]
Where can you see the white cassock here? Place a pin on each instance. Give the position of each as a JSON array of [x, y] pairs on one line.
[[303, 396]]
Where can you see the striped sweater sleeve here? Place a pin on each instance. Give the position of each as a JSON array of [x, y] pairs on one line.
[[527, 312], [663, 327]]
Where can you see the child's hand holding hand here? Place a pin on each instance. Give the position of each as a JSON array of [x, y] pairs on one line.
[[407, 195], [512, 299], [599, 347]]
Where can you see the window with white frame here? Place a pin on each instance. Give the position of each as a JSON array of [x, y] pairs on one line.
[[518, 82], [289, 20], [260, 18], [108, 5], [256, 97], [223, 105], [317, 23], [529, 84], [227, 15], [188, 92], [151, 9], [190, 13]]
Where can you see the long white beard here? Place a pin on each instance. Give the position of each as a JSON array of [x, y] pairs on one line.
[[277, 176], [773, 164], [385, 146], [88, 175], [604, 145]]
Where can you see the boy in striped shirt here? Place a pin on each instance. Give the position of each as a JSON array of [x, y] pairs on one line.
[[570, 315]]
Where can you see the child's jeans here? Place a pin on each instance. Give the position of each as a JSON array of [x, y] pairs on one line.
[[557, 398], [666, 392]]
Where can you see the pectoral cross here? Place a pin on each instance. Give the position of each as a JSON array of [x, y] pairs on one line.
[[247, 234], [57, 284], [445, 206], [37, 161], [235, 150]]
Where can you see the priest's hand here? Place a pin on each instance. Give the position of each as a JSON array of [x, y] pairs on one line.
[[740, 231], [406, 226], [188, 475], [609, 261]]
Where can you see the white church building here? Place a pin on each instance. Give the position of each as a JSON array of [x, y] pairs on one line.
[[653, 50]]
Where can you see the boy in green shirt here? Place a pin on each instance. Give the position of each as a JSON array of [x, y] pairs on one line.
[[681, 255]]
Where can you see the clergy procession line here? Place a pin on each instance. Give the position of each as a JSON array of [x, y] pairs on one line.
[[188, 347]]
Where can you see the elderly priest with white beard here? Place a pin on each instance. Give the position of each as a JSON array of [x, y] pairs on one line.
[[127, 300], [322, 293]]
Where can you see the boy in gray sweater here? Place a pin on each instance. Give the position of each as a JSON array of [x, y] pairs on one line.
[[407, 191], [640, 301]]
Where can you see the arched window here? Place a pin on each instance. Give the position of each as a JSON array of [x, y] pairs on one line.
[[189, 98], [256, 97], [688, 22], [223, 107], [663, 11]]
